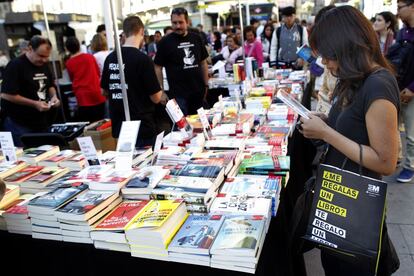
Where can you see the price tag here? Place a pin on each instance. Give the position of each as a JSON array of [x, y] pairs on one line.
[[157, 147], [88, 150], [173, 109], [220, 98], [204, 122], [126, 145], [7, 147]]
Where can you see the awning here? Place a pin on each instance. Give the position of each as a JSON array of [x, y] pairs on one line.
[[158, 24]]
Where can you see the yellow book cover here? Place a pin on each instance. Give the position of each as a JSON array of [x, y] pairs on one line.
[[155, 214]]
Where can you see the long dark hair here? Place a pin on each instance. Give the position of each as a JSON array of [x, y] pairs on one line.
[[390, 17], [345, 35], [264, 31]]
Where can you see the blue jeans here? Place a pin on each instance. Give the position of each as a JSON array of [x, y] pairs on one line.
[[408, 117]]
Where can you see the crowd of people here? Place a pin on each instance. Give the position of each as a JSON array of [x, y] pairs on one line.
[[364, 74]]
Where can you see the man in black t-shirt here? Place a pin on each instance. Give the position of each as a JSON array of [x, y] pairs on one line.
[[143, 88], [28, 91], [183, 55]]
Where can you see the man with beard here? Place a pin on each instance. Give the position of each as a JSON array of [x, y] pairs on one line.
[[183, 55]]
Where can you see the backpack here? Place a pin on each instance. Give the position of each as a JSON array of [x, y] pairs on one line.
[[279, 30], [400, 55]]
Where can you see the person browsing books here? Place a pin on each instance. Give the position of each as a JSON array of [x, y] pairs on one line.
[[28, 91], [143, 88], [184, 57], [364, 113], [252, 46]]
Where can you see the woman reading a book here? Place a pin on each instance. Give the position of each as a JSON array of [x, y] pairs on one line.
[[364, 114]]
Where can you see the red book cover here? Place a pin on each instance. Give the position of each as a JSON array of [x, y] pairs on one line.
[[120, 217], [23, 174]]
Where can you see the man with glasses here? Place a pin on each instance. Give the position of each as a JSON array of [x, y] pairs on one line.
[[406, 84], [28, 91], [183, 55]]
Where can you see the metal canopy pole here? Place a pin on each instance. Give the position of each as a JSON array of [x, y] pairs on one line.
[[242, 29], [53, 64], [120, 62]]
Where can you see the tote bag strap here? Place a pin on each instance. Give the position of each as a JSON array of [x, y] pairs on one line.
[[360, 160]]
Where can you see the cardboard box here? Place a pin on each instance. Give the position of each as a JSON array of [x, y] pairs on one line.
[[102, 139]]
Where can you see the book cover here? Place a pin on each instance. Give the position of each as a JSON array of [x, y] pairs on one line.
[[63, 180], [121, 216], [91, 173], [239, 235], [196, 170], [111, 180], [45, 174], [155, 213], [18, 208], [197, 234], [186, 183], [145, 180], [252, 186], [7, 169], [241, 205], [60, 156], [58, 196], [23, 174], [85, 202]]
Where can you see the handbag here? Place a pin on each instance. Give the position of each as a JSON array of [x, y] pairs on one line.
[[348, 214]]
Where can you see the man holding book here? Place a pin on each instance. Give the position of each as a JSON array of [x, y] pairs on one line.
[[28, 91]]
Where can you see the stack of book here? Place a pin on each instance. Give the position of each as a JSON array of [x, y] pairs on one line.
[[239, 243], [38, 181], [56, 159], [91, 173], [241, 205], [225, 158], [77, 217], [112, 180], [258, 102], [193, 241], [109, 232], [225, 143], [75, 162], [34, 155], [173, 155], [140, 186], [21, 175], [17, 216], [196, 184], [175, 138], [63, 180], [7, 169], [265, 164], [153, 229], [12, 192], [255, 186], [262, 91], [42, 210]]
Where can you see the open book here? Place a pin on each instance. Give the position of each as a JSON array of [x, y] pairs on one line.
[[293, 103]]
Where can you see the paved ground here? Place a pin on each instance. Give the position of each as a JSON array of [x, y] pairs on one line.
[[400, 219]]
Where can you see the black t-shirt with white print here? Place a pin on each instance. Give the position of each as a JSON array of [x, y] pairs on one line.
[[182, 56], [21, 77], [141, 82]]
